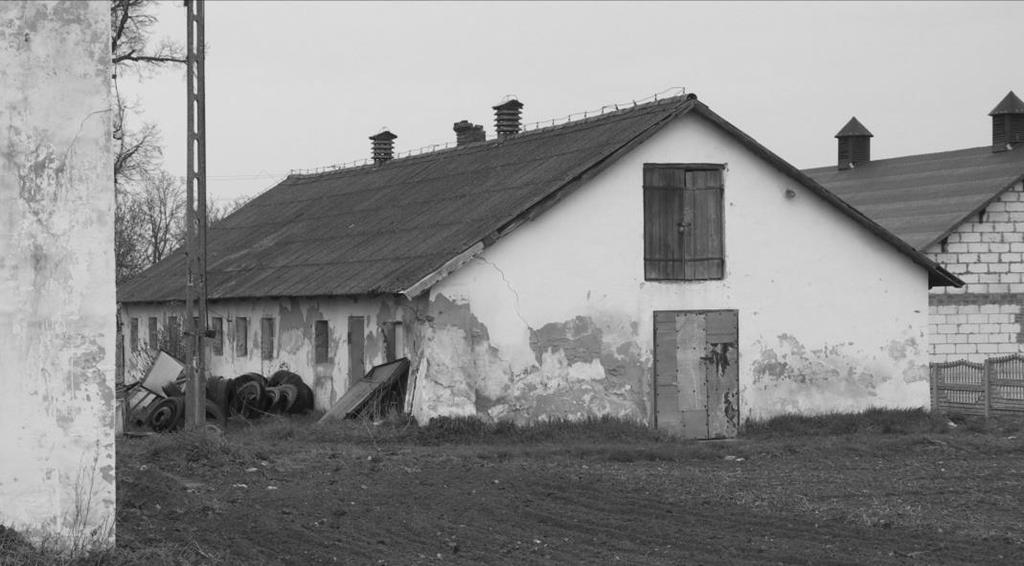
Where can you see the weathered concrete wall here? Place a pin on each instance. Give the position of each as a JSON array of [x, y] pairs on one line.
[[294, 347], [56, 272], [982, 319], [557, 320]]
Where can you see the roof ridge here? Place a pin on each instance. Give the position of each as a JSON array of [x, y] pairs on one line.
[[987, 148], [445, 148]]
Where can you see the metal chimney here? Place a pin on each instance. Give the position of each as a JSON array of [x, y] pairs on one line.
[[507, 118], [1007, 123], [383, 147], [854, 144]]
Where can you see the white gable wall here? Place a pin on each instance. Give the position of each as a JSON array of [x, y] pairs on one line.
[[557, 320]]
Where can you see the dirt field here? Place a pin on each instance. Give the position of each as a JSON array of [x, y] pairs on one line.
[[285, 492]]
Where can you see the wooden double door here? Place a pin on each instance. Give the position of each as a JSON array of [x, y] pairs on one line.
[[696, 378]]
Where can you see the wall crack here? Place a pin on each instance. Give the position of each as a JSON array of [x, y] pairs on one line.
[[515, 294]]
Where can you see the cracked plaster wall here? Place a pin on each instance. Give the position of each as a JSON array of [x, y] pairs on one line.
[[294, 347], [57, 305], [556, 319]]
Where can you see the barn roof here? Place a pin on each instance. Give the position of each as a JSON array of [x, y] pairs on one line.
[[922, 198], [399, 226]]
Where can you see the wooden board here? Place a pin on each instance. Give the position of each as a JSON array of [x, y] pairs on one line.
[[356, 347], [379, 377], [693, 395]]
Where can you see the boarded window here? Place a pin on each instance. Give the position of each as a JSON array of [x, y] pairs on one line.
[[267, 338], [174, 336], [133, 334], [683, 237], [241, 336], [152, 333], [394, 346], [218, 336], [322, 337]]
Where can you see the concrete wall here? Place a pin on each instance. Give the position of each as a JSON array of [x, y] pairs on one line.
[[56, 273], [557, 320], [983, 318], [294, 348]]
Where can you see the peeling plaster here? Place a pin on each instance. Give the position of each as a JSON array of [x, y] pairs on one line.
[[583, 367], [789, 377], [57, 315]]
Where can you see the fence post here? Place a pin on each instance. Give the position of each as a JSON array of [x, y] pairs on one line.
[[933, 379], [986, 382]]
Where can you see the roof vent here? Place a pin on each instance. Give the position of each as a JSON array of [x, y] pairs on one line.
[[506, 117], [383, 147], [854, 144], [1007, 123], [467, 132]]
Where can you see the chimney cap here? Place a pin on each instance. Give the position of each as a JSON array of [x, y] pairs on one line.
[[854, 128], [511, 104], [1009, 105], [384, 136]]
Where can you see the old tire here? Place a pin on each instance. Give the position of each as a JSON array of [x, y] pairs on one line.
[[166, 415], [304, 395], [249, 399]]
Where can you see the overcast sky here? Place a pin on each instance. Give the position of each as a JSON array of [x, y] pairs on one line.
[[300, 85]]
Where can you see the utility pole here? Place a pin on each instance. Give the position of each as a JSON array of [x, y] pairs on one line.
[[197, 345]]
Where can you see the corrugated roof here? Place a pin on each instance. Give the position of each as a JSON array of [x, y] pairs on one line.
[[383, 229], [380, 229], [922, 198]]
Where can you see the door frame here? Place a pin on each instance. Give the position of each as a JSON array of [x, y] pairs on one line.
[[654, 355]]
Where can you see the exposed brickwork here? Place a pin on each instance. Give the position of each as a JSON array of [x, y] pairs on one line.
[[982, 319]]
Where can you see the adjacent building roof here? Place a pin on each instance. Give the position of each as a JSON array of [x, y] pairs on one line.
[[922, 198], [392, 227]]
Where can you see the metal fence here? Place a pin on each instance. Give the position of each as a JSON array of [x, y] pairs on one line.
[[995, 386]]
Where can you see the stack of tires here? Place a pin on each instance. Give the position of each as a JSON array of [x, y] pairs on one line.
[[249, 395]]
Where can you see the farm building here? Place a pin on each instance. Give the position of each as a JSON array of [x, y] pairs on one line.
[[965, 210], [654, 263]]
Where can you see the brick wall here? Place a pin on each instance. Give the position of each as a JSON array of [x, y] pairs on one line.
[[983, 318]]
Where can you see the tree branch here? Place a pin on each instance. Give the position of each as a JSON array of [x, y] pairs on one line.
[[131, 57]]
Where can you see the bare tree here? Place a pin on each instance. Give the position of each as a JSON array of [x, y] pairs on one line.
[[130, 28], [140, 231], [129, 253], [161, 205], [216, 212]]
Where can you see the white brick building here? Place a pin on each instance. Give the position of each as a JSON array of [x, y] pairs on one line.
[[965, 210]]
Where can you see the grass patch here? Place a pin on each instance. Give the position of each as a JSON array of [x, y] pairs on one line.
[[470, 430], [871, 421], [195, 447]]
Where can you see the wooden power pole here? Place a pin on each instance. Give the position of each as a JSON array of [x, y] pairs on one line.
[[197, 344]]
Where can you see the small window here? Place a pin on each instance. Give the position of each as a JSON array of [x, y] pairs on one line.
[[218, 336], [267, 338], [152, 334], [174, 336], [133, 334], [683, 210], [241, 336], [322, 339]]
